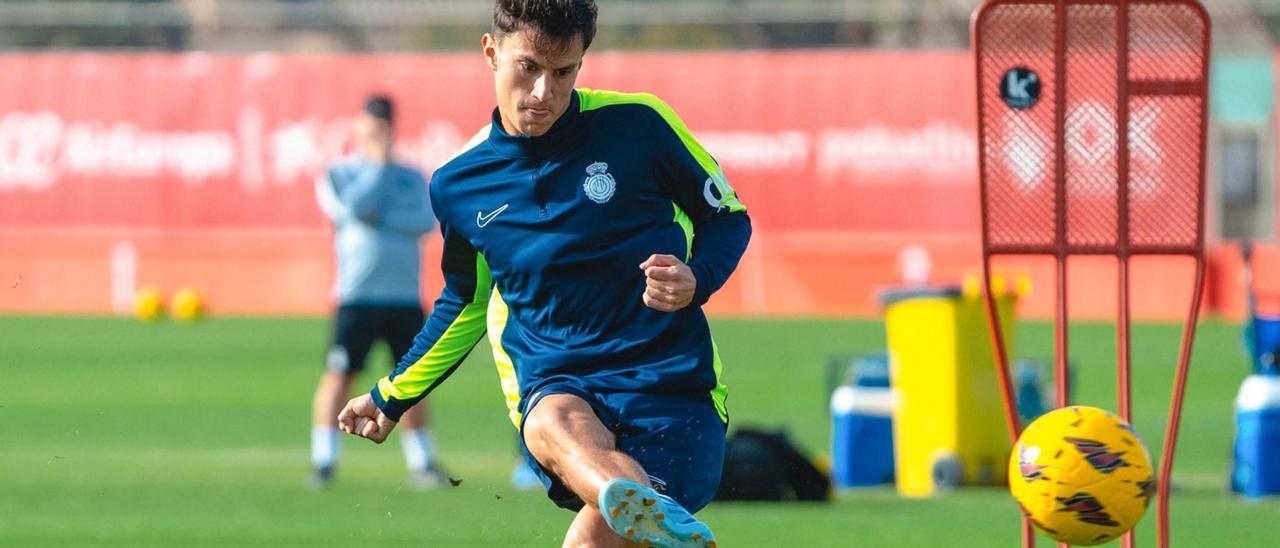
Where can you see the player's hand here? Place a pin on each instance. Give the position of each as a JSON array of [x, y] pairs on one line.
[[363, 418], [669, 283]]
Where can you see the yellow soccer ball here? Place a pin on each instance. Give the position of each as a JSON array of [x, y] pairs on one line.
[[187, 305], [148, 304], [1082, 475]]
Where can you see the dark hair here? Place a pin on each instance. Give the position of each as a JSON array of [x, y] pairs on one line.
[[556, 21], [380, 106]]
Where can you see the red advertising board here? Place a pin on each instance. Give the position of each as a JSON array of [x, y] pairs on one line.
[[118, 171], [816, 141]]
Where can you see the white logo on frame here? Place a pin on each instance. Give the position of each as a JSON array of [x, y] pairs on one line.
[[599, 186], [1090, 150], [1025, 155]]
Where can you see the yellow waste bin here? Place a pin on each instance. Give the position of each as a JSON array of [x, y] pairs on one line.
[[948, 421]]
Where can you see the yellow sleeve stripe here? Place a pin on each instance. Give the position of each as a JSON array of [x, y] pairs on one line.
[[453, 345], [686, 225], [498, 314], [721, 392]]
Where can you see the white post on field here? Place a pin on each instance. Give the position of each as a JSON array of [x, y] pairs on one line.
[[124, 276]]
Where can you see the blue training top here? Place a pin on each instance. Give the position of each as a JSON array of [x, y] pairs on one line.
[[543, 241], [379, 211]]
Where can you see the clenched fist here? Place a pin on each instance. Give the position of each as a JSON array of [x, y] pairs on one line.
[[669, 283], [362, 418]]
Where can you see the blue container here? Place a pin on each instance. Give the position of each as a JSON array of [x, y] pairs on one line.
[[1262, 337], [1257, 447], [1028, 378], [862, 424]]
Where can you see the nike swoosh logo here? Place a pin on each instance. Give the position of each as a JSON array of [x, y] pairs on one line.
[[483, 219]]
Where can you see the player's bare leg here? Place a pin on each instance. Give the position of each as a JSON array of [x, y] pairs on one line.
[[565, 436], [415, 417], [419, 454], [330, 396]]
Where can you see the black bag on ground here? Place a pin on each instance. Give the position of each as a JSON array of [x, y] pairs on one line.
[[765, 466]]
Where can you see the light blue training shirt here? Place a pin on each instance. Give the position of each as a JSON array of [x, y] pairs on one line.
[[379, 212]]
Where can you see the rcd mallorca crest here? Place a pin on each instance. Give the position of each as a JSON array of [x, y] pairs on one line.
[[600, 185]]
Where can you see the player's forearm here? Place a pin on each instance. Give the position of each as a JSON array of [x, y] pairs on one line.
[[363, 196], [444, 342], [718, 245]]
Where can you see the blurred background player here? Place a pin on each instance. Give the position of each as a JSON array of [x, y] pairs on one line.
[[380, 210]]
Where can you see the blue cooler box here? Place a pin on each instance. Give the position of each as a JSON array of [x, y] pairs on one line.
[[1257, 445], [862, 424]]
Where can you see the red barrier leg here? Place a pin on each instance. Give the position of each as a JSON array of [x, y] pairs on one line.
[[1175, 411]]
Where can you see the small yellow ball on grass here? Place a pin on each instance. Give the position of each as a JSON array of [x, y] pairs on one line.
[[148, 304], [187, 305]]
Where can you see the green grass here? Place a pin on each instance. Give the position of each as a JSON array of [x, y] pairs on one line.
[[117, 433]]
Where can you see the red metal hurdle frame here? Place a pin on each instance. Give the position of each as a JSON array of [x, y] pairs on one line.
[[1106, 159]]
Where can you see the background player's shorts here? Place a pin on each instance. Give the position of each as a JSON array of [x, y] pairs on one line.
[[677, 439], [357, 327]]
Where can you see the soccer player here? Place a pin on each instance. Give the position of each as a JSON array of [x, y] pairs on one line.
[[587, 229], [380, 210]]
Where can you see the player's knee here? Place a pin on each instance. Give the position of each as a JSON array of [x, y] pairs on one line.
[[338, 360], [561, 427], [540, 428], [554, 416]]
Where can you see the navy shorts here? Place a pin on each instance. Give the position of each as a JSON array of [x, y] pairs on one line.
[[357, 327], [677, 439]]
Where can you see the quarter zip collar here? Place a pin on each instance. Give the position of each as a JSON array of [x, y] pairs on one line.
[[561, 136]]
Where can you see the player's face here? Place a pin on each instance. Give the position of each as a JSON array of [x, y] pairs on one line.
[[370, 130], [534, 79]]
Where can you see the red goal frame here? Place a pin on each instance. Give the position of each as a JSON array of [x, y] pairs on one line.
[[1108, 158]]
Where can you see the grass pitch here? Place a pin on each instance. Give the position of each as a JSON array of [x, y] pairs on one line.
[[119, 433]]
